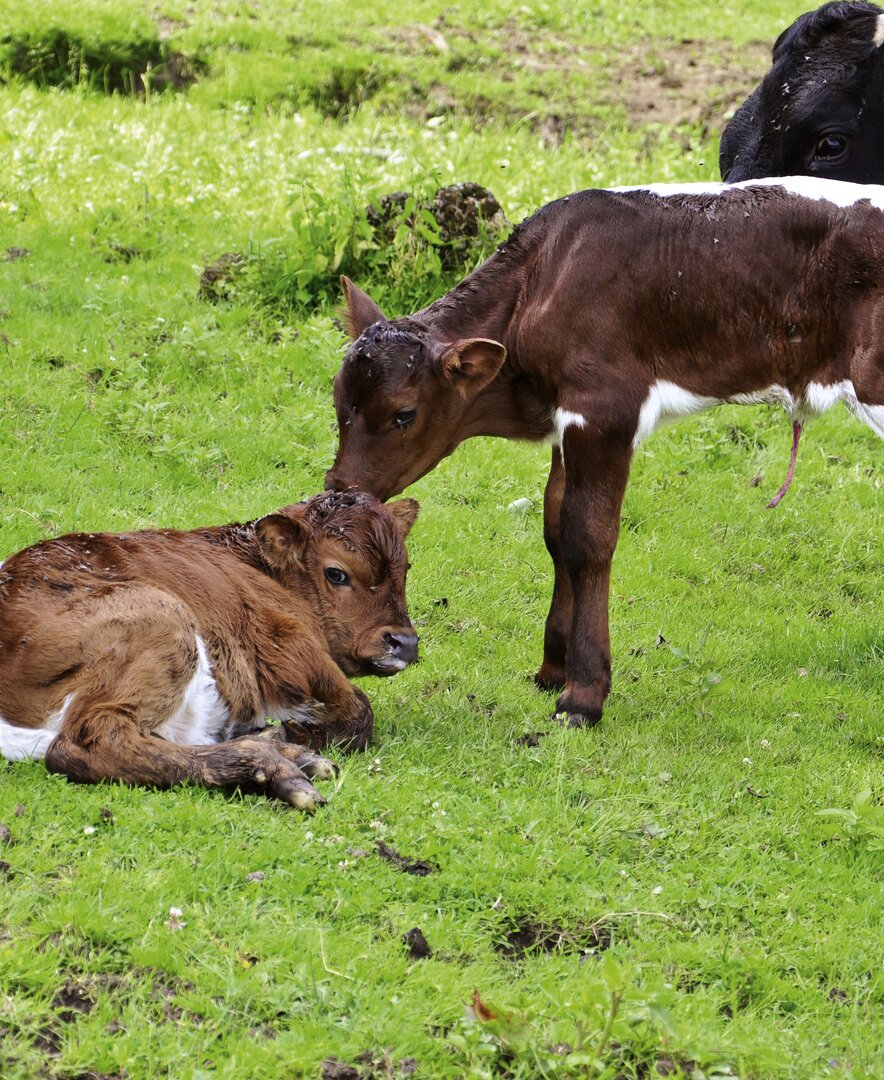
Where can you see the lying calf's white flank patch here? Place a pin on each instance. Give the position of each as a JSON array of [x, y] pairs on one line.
[[839, 192], [31, 744], [202, 715], [563, 419]]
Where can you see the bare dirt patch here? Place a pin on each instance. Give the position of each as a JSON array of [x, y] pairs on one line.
[[529, 936], [670, 83], [687, 82]]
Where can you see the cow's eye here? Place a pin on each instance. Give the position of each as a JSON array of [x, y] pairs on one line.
[[337, 576], [404, 418], [830, 147]]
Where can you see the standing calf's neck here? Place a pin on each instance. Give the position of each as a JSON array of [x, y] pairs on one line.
[[605, 315]]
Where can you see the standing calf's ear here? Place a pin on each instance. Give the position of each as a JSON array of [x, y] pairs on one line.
[[283, 539], [472, 364], [360, 310], [404, 513]]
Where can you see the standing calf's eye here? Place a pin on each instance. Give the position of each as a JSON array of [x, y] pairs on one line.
[[830, 147], [404, 418], [337, 576]]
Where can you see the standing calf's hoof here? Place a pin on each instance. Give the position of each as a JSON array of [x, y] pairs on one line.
[[570, 719]]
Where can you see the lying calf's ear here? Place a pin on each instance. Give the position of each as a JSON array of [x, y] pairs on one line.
[[404, 513], [283, 539], [471, 364], [359, 311]]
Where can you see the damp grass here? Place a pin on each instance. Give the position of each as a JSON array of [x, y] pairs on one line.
[[657, 896]]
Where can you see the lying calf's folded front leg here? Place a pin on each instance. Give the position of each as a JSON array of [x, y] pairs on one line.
[[102, 743]]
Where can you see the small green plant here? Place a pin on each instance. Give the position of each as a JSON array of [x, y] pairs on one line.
[[861, 824]]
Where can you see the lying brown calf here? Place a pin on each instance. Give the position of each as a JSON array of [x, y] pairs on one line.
[[603, 316], [155, 657]]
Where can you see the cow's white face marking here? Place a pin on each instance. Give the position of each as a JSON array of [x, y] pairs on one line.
[[878, 39], [31, 744], [563, 419], [201, 717], [839, 192]]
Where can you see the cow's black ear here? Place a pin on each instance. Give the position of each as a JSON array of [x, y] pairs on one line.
[[853, 28], [283, 539], [359, 311]]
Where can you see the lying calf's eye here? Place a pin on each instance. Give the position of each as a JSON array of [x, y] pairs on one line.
[[830, 146], [337, 576], [404, 418]]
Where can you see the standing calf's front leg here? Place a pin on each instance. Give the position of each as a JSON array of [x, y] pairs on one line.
[[551, 675], [597, 470]]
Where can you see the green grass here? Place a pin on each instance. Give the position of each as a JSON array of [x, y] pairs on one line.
[[704, 915]]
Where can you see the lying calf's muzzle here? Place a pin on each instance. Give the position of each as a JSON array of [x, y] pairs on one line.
[[393, 651]]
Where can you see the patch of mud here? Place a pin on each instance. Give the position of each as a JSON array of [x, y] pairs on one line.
[[417, 867], [13, 254], [528, 936], [62, 59], [417, 945], [218, 280], [369, 1065], [466, 216]]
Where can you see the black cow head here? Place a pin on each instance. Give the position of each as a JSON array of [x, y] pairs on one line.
[[819, 111]]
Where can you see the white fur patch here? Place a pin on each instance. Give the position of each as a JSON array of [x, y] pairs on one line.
[[202, 715], [31, 744], [878, 39], [563, 419], [821, 397], [839, 192], [666, 401]]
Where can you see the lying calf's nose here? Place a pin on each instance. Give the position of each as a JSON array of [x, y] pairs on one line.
[[331, 481], [402, 645]]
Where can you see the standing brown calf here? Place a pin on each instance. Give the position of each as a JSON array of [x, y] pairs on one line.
[[155, 657], [604, 315]]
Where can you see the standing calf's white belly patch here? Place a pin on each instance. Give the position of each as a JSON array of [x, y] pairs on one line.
[[202, 715], [31, 744], [667, 401]]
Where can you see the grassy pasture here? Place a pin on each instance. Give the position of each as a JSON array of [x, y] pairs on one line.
[[658, 896]]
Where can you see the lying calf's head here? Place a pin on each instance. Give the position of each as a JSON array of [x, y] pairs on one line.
[[403, 397], [349, 549]]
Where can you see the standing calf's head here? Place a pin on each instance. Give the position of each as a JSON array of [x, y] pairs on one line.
[[819, 111], [403, 397], [350, 551]]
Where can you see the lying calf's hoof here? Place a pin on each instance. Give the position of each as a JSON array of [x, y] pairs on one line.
[[301, 798], [316, 767], [286, 780], [570, 719]]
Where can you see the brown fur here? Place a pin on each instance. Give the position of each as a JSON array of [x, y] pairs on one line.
[[591, 302], [108, 624]]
